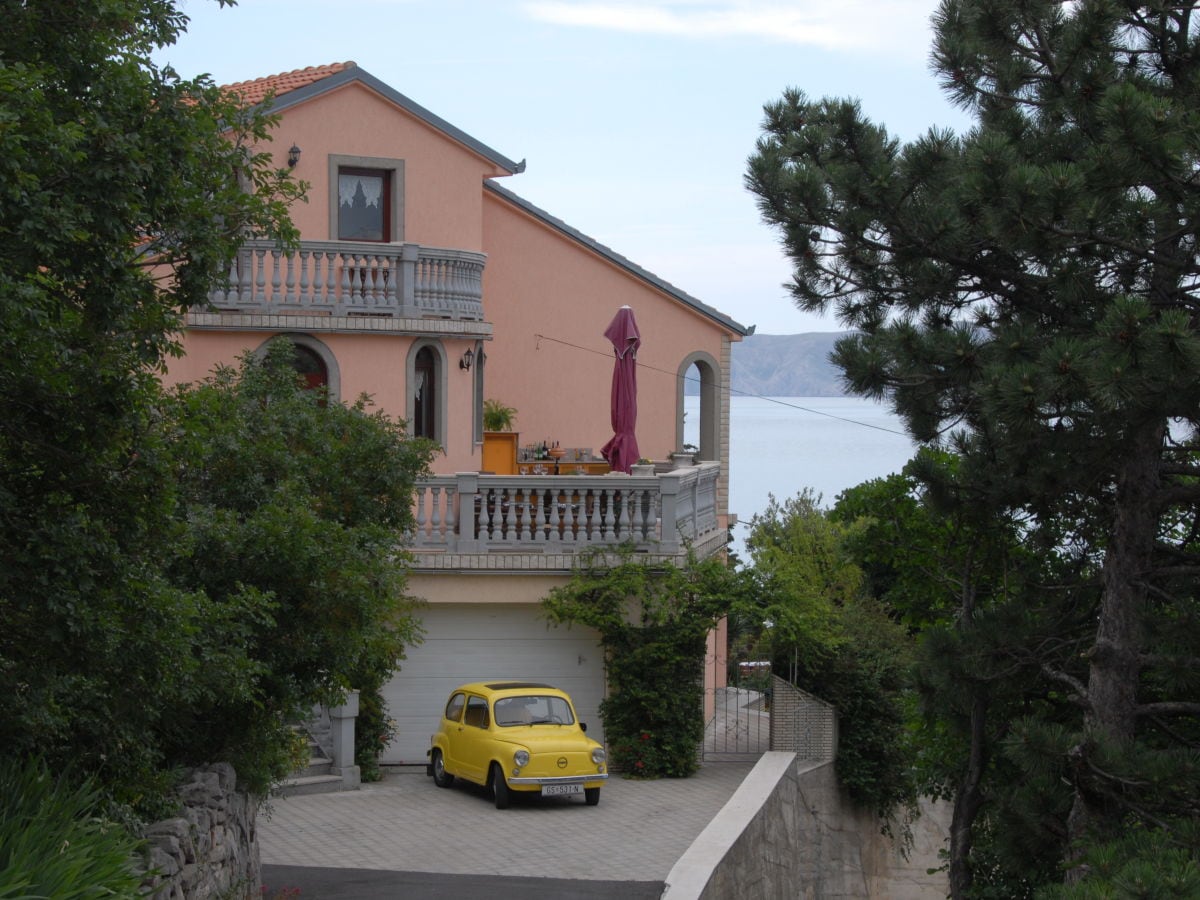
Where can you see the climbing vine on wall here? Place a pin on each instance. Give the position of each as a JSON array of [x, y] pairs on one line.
[[654, 618]]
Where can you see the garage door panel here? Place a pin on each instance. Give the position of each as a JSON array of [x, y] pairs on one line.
[[502, 622], [477, 642]]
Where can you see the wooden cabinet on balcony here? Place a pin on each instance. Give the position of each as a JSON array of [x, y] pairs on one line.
[[500, 452]]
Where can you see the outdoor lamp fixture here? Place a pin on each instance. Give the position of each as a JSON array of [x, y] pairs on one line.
[[293, 156], [467, 358]]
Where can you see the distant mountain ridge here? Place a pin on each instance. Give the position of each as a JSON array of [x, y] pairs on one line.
[[787, 365]]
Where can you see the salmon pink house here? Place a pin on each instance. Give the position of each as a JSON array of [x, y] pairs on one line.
[[422, 279]]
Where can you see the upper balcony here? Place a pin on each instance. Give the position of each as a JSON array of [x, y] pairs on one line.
[[543, 522], [342, 278]]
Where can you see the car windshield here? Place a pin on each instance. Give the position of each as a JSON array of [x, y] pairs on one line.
[[533, 709]]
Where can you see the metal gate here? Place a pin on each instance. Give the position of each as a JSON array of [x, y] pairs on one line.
[[738, 715]]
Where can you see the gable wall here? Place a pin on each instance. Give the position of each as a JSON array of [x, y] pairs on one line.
[[442, 193], [538, 281]]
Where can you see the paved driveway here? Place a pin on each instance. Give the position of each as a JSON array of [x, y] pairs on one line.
[[406, 824]]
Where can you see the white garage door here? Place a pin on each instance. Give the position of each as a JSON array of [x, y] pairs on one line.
[[488, 642]]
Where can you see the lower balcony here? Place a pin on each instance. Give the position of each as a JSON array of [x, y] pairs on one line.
[[541, 522], [340, 278]]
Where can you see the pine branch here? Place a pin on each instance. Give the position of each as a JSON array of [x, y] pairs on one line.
[[1080, 696], [1168, 708], [1177, 571], [1158, 659]]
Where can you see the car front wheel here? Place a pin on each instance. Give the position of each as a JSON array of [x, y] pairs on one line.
[[592, 796], [441, 777], [500, 792]]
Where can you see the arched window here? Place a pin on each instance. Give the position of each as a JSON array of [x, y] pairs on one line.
[[425, 394], [311, 367], [314, 361]]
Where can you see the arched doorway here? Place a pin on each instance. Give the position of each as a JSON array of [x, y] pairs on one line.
[[425, 390], [425, 373]]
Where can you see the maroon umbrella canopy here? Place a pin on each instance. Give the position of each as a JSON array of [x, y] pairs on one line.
[[622, 451]]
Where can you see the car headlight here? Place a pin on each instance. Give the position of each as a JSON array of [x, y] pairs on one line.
[[598, 755], [521, 759]]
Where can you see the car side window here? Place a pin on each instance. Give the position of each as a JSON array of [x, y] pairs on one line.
[[454, 707], [477, 712]]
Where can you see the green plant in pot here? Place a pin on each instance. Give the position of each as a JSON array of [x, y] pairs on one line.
[[497, 416]]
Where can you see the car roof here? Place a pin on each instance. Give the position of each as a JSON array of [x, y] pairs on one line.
[[495, 688]]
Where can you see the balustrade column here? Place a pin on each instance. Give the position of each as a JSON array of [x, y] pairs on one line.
[[409, 254], [669, 485]]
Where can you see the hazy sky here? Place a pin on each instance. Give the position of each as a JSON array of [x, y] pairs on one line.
[[636, 118]]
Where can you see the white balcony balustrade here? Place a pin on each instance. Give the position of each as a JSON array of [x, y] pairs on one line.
[[469, 513], [340, 278]]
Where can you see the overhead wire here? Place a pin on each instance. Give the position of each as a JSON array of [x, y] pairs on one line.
[[776, 400]]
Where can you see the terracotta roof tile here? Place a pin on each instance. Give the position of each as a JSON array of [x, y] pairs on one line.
[[256, 90]]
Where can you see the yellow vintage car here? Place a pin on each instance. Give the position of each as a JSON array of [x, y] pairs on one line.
[[516, 736]]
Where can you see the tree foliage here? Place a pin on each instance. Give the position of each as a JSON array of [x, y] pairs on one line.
[[290, 511], [1026, 294], [827, 634], [166, 560], [986, 614]]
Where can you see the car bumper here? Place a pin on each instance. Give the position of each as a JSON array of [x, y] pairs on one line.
[[558, 779]]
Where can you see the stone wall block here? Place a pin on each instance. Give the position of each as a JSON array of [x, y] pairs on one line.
[[226, 777], [165, 863], [210, 851]]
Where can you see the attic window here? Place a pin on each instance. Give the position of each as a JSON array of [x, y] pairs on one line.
[[364, 204]]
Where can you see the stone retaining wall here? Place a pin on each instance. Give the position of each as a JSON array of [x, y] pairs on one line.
[[788, 832], [211, 849]]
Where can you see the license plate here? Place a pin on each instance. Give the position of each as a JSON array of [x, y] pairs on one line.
[[558, 790]]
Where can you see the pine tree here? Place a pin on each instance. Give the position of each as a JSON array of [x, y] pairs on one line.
[[1025, 293]]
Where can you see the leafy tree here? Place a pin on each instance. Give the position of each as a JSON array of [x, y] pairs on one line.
[[653, 619], [832, 638], [290, 511], [984, 612], [124, 192], [1025, 292]]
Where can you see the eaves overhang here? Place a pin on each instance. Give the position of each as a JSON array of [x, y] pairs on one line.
[[350, 73]]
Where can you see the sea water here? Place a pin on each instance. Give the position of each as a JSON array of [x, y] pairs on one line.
[[781, 445]]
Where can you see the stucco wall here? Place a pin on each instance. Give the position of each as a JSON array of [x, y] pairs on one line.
[[540, 283], [442, 194], [789, 832]]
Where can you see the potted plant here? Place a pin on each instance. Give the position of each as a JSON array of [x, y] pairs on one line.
[[499, 440], [497, 416], [684, 457], [642, 467]]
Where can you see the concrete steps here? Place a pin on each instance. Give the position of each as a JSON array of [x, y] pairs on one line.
[[314, 778]]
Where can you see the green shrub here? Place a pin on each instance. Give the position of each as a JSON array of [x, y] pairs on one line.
[[653, 622], [54, 841]]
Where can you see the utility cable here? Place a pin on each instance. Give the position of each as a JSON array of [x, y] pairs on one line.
[[776, 400]]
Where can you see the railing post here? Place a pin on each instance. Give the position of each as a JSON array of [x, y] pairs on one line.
[[669, 484], [467, 487], [407, 287]]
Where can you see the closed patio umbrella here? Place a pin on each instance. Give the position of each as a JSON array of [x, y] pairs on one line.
[[622, 451]]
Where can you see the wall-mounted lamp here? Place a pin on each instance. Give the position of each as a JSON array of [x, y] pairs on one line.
[[293, 156], [467, 358]]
